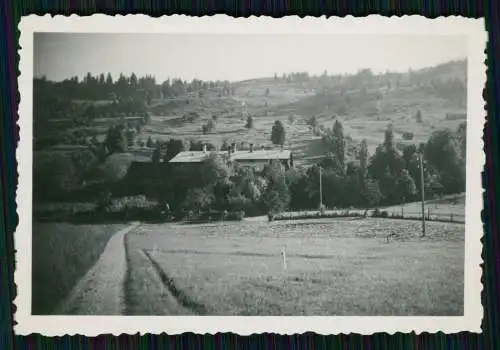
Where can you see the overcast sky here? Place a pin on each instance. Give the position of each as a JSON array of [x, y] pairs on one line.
[[235, 56]]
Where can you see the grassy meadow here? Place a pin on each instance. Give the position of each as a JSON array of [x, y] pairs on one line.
[[333, 267]]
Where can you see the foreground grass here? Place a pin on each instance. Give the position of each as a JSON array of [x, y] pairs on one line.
[[334, 267], [62, 254]]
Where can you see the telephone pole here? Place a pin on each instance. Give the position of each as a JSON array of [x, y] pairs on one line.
[[320, 189], [423, 193]]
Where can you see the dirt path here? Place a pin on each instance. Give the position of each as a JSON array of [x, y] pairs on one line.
[[100, 291]]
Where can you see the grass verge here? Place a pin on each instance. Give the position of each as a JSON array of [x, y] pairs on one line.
[[62, 254]]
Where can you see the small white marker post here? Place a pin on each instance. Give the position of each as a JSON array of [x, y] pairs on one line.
[[283, 253]]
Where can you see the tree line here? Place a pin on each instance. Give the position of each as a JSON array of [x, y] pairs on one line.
[[391, 176], [105, 87]]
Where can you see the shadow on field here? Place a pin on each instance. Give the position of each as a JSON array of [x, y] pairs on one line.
[[179, 295]]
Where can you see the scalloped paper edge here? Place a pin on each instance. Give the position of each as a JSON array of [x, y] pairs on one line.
[[472, 29]]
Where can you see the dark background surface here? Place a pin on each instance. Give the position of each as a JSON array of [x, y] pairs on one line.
[[10, 14]]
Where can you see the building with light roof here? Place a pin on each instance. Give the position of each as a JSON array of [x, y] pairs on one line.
[[254, 158]]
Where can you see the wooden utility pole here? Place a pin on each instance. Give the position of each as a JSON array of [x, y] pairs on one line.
[[283, 254], [320, 189], [423, 193]]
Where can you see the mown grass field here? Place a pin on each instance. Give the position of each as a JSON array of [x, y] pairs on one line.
[[62, 254], [333, 267]]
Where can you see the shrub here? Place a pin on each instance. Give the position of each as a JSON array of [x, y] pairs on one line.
[[384, 214], [236, 215], [209, 216], [129, 203], [209, 126], [318, 131], [191, 117], [313, 121], [408, 135]]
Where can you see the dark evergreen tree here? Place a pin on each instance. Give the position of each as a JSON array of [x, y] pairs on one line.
[[363, 156], [116, 140], [278, 133], [149, 142], [250, 122]]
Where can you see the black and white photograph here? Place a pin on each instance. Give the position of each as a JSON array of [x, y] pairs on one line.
[[252, 174]]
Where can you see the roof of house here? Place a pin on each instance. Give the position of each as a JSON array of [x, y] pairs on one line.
[[142, 155], [260, 155], [190, 157], [200, 156]]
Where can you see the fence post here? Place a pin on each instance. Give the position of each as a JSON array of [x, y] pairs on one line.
[[428, 213]]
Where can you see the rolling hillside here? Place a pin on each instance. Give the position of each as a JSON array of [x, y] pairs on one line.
[[364, 106]]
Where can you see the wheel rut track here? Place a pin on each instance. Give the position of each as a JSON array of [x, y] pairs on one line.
[[184, 300], [100, 291], [170, 299]]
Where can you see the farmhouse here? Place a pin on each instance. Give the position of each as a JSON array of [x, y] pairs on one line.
[[254, 158], [142, 167]]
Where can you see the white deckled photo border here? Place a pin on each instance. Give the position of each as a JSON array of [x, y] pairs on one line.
[[472, 29]]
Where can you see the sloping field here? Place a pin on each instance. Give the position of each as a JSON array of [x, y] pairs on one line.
[[232, 129], [367, 118], [364, 118], [333, 267]]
